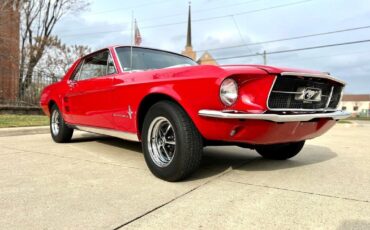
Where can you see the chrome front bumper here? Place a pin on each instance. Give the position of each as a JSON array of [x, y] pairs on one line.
[[337, 115]]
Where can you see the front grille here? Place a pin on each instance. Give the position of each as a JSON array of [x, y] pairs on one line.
[[286, 89]]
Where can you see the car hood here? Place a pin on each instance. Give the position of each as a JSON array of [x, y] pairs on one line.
[[200, 71], [267, 69]]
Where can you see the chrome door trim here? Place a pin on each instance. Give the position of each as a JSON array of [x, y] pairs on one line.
[[109, 132]]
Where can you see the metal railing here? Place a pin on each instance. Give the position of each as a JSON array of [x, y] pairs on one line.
[[15, 91]]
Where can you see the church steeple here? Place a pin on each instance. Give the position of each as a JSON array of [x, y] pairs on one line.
[[188, 37], [189, 48]]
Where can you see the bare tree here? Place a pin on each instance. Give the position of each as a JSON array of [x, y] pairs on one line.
[[38, 19], [59, 57]]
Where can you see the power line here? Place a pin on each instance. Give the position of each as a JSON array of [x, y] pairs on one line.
[[240, 33], [235, 14], [296, 50], [130, 8], [326, 56], [290, 38], [172, 15], [200, 10], [196, 20]]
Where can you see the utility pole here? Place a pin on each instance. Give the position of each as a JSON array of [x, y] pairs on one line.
[[264, 57]]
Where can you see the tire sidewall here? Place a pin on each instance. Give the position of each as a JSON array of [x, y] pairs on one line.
[[171, 112], [65, 133]]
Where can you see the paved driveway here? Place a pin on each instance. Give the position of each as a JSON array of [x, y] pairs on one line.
[[103, 183]]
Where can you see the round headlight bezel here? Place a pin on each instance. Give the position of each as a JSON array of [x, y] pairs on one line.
[[229, 91]]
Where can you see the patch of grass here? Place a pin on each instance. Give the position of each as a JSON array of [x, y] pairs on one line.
[[10, 120], [344, 122], [359, 118]]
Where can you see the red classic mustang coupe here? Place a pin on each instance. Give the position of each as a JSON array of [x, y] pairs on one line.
[[175, 107]]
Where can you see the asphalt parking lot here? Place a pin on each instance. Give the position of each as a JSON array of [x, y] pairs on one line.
[[99, 182]]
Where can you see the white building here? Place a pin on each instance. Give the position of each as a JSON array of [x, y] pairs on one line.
[[357, 104]]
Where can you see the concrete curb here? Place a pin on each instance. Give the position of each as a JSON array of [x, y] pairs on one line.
[[8, 109], [5, 132], [354, 124]]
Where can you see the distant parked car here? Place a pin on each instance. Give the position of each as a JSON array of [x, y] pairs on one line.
[[175, 107]]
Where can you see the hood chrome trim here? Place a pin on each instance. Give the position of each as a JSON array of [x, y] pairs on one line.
[[315, 75]]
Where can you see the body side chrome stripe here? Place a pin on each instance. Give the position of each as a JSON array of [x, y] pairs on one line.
[[337, 115], [109, 132]]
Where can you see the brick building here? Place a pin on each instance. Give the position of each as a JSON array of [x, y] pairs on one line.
[[9, 53]]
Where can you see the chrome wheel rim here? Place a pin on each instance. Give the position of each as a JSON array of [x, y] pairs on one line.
[[55, 122], [161, 141]]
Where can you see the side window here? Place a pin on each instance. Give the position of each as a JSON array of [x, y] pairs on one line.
[[111, 69], [94, 66]]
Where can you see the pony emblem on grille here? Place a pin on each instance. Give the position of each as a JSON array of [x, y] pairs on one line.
[[308, 94]]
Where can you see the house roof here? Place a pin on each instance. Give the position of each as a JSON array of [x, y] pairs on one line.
[[206, 56], [356, 97]]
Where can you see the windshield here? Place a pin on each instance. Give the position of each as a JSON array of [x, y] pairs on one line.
[[144, 59]]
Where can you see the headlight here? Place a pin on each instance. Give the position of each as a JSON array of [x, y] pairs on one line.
[[229, 91]]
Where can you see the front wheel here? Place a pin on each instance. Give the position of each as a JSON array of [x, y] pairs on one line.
[[171, 143], [60, 132], [280, 151]]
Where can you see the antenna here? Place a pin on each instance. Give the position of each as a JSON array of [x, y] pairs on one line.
[[132, 37]]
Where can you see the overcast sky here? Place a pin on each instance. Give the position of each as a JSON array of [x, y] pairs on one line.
[[218, 23]]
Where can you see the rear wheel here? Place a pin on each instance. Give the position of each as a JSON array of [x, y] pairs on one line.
[[280, 151], [60, 132], [171, 143]]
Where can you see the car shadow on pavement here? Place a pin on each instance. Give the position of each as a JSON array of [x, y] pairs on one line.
[[119, 143], [218, 159], [311, 154], [354, 224], [107, 140]]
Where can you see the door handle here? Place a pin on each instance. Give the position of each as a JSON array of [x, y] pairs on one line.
[[72, 84]]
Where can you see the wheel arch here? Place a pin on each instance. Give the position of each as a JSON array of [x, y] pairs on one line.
[[51, 103], [150, 100]]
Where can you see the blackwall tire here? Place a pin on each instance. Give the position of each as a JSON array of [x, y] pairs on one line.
[[280, 151], [60, 132], [171, 143]]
